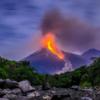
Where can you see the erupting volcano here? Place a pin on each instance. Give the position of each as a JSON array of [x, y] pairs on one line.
[[51, 60], [49, 42]]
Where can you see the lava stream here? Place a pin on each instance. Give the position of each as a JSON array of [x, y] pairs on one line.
[[49, 42]]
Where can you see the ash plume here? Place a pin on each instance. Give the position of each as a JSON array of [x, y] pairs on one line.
[[72, 33]]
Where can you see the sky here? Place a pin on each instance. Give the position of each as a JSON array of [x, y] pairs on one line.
[[20, 22]]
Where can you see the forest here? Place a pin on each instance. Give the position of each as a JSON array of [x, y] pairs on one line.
[[85, 76]]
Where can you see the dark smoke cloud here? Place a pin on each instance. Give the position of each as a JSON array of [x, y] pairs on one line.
[[73, 34]]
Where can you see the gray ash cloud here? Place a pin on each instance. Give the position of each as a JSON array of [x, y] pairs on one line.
[[72, 33]]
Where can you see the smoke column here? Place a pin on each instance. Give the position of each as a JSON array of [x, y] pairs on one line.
[[72, 33]]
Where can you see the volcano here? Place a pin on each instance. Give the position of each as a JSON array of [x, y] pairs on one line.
[[48, 63], [91, 53]]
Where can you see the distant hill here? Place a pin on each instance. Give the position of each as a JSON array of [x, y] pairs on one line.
[[46, 62], [91, 53]]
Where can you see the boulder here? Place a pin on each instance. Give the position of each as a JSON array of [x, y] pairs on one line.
[[25, 86], [7, 91], [2, 94], [10, 96], [45, 86], [10, 84], [53, 92], [96, 88], [46, 97], [36, 93], [4, 99], [33, 94], [89, 90], [75, 87], [23, 98], [38, 88], [54, 88], [2, 83], [86, 98], [16, 91], [60, 95]]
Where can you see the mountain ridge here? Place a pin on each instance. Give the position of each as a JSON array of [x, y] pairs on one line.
[[91, 53], [48, 63]]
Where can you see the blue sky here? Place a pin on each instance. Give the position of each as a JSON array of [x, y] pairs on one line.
[[20, 20]]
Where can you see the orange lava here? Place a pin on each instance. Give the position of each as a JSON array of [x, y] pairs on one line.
[[49, 42]]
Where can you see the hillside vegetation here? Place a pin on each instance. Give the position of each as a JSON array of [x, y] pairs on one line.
[[19, 71], [83, 76]]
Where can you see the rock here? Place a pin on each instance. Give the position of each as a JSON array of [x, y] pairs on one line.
[[38, 88], [45, 86], [7, 91], [54, 88], [36, 93], [10, 96], [86, 98], [24, 91], [10, 84], [33, 94], [96, 88], [23, 98], [25, 86], [60, 95], [47, 97], [75, 87], [53, 92], [2, 94], [3, 99], [90, 90], [2, 83], [16, 91], [98, 92]]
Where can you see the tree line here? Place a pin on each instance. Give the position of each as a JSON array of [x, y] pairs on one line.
[[84, 76]]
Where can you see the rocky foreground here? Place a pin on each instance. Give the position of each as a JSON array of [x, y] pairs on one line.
[[12, 90]]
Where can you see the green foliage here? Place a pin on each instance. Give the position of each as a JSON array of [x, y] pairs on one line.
[[85, 84], [3, 74], [84, 76], [20, 71]]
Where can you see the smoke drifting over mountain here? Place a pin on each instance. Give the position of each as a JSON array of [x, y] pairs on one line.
[[71, 33]]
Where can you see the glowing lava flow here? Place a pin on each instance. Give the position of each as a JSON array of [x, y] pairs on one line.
[[49, 42], [50, 48]]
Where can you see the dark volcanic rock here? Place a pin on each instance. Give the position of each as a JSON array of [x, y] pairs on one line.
[[16, 91], [45, 86], [2, 83], [4, 99], [7, 91], [33, 94], [85, 98], [37, 93], [2, 94], [60, 95], [75, 87], [23, 98], [10, 84], [10, 96]]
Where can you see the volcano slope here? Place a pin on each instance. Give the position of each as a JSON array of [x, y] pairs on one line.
[[48, 63]]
